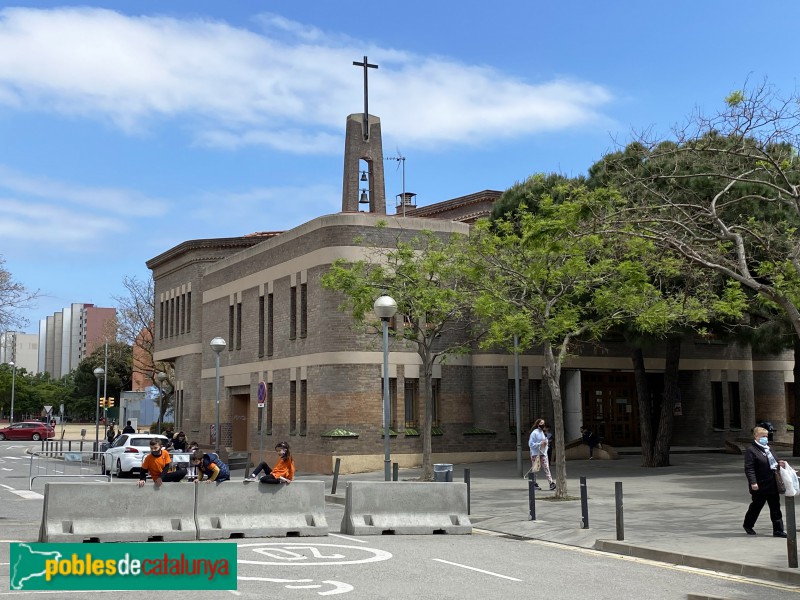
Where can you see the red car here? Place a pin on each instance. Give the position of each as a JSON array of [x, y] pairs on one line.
[[27, 430]]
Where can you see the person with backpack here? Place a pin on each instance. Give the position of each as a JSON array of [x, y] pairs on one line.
[[282, 472], [209, 467]]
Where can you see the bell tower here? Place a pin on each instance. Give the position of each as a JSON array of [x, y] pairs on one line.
[[363, 182]]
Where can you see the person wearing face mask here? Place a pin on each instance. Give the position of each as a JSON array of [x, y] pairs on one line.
[[282, 472], [761, 468], [159, 466]]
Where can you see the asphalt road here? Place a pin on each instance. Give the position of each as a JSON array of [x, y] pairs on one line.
[[442, 567]]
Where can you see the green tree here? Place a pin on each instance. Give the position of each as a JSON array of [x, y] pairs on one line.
[[426, 276], [725, 194], [546, 277], [118, 377]]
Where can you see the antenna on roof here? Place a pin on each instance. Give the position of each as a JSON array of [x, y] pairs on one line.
[[401, 160]]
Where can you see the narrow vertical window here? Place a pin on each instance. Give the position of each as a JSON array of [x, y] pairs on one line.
[[270, 408], [436, 386], [736, 408], [188, 312], [410, 398], [293, 313], [231, 330], [292, 407], [718, 415], [161, 320], [511, 405], [183, 314], [171, 326], [239, 326], [260, 327], [534, 400], [303, 309], [260, 419], [270, 324], [303, 407]]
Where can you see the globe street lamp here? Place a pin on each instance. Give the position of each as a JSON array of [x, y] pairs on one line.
[[13, 385], [217, 345], [162, 377], [385, 308], [98, 373]]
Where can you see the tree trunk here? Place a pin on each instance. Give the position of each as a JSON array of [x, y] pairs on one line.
[[795, 422], [645, 406], [671, 396], [427, 417], [552, 376]]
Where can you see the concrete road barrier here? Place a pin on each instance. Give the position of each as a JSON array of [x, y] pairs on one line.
[[376, 508], [235, 509], [80, 512]]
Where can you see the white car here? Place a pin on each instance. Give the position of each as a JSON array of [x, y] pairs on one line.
[[128, 451]]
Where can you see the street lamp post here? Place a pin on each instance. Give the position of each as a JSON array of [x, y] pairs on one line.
[[98, 373], [162, 377], [385, 308], [13, 386], [217, 345]]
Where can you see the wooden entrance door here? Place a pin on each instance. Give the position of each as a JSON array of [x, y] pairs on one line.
[[240, 404], [610, 407]]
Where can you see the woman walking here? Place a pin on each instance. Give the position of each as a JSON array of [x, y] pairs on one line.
[[761, 469], [537, 442]]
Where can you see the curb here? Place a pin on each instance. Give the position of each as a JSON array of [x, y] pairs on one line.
[[789, 576]]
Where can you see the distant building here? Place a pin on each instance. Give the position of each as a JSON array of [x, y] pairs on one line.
[[21, 348], [70, 335]]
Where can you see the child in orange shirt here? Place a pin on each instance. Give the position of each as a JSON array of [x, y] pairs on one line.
[[283, 472]]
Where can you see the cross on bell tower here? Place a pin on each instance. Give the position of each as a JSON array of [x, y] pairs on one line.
[[362, 142]]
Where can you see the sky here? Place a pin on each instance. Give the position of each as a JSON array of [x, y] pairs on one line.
[[129, 127]]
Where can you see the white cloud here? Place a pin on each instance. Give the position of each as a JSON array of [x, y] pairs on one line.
[[288, 86]]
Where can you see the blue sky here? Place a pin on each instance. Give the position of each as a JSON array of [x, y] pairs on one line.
[[128, 127]]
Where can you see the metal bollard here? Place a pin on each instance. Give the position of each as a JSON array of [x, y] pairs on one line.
[[467, 481], [584, 504], [395, 471], [791, 532], [531, 496], [618, 504], [335, 475]]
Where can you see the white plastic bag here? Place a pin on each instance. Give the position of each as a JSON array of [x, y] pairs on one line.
[[790, 480]]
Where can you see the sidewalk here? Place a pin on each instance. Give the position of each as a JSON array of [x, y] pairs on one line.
[[689, 513]]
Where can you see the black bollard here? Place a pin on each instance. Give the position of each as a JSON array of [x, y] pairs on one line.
[[532, 496], [584, 504], [395, 471], [467, 481], [335, 475], [618, 503], [791, 532]]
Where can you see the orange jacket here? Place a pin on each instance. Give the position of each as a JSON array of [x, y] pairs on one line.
[[284, 468]]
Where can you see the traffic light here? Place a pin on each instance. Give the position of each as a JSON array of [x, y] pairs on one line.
[[110, 402], [102, 401]]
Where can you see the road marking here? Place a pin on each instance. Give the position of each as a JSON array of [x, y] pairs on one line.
[[284, 553], [348, 538], [8, 487], [15, 457], [27, 494], [5, 469], [476, 569], [338, 586]]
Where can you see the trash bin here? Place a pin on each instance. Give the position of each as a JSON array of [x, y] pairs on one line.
[[443, 472], [770, 429]]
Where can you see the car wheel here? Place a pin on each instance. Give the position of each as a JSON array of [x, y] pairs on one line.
[[120, 472], [2, 437], [36, 437]]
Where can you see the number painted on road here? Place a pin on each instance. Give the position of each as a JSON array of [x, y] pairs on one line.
[[292, 584], [283, 553]]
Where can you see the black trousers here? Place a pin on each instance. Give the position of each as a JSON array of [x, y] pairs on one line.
[[268, 476], [176, 475], [758, 499]]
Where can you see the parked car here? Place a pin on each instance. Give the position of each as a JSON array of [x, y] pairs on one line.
[[127, 452], [27, 430]]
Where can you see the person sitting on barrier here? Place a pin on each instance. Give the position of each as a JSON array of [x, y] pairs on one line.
[[128, 428], [209, 467], [159, 466], [283, 472]]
